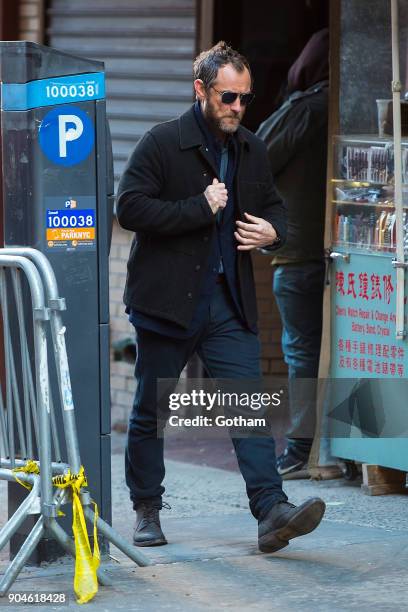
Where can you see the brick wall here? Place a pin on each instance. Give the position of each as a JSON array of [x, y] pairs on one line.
[[269, 319], [122, 379]]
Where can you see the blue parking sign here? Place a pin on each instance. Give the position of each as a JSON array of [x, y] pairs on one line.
[[66, 135]]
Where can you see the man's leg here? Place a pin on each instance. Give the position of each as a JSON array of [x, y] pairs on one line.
[[230, 351], [298, 290], [157, 357]]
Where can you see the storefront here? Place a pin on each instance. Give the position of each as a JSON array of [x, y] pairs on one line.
[[365, 363]]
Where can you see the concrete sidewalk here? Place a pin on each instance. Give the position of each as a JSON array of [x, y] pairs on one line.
[[357, 559]]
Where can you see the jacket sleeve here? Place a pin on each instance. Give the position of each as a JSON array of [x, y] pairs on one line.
[[139, 206], [274, 209]]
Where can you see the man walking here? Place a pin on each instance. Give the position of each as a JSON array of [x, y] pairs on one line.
[[199, 194]]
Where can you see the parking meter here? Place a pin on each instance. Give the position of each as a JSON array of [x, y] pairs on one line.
[[57, 196]]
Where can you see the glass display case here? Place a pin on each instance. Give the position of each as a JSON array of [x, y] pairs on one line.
[[367, 320], [364, 218]]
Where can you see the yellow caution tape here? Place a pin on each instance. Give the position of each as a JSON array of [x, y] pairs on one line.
[[31, 467], [86, 563]]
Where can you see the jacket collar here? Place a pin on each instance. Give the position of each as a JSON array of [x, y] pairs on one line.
[[192, 136]]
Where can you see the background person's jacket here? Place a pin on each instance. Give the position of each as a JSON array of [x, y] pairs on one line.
[[161, 199], [296, 139]]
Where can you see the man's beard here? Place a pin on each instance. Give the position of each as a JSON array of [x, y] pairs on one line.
[[222, 124], [228, 128]]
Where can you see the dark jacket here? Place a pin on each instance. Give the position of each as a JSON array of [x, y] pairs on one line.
[[296, 139], [161, 197]]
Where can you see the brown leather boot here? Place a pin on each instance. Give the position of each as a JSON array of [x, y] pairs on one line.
[[148, 530], [285, 521]]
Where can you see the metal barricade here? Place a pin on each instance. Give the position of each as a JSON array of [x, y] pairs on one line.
[[28, 413]]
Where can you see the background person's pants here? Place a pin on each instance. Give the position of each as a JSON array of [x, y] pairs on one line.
[[298, 290], [229, 351]]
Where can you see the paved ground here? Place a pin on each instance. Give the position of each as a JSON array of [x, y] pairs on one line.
[[357, 559]]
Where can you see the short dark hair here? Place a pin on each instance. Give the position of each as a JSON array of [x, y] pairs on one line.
[[207, 64]]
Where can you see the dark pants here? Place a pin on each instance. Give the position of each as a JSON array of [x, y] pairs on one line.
[[298, 290], [229, 351]]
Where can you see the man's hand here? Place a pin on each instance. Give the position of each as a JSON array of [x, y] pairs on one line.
[[216, 195], [254, 234]]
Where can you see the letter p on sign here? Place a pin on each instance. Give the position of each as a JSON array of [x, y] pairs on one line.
[[68, 134]]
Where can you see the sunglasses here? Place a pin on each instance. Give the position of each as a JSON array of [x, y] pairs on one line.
[[229, 97]]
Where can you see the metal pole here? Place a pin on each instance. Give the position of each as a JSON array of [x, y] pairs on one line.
[[396, 101], [18, 294], [57, 468], [6, 334]]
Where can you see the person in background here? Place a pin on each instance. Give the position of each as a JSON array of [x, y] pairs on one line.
[[199, 194], [296, 139]]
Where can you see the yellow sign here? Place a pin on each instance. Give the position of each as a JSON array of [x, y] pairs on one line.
[[71, 234]]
